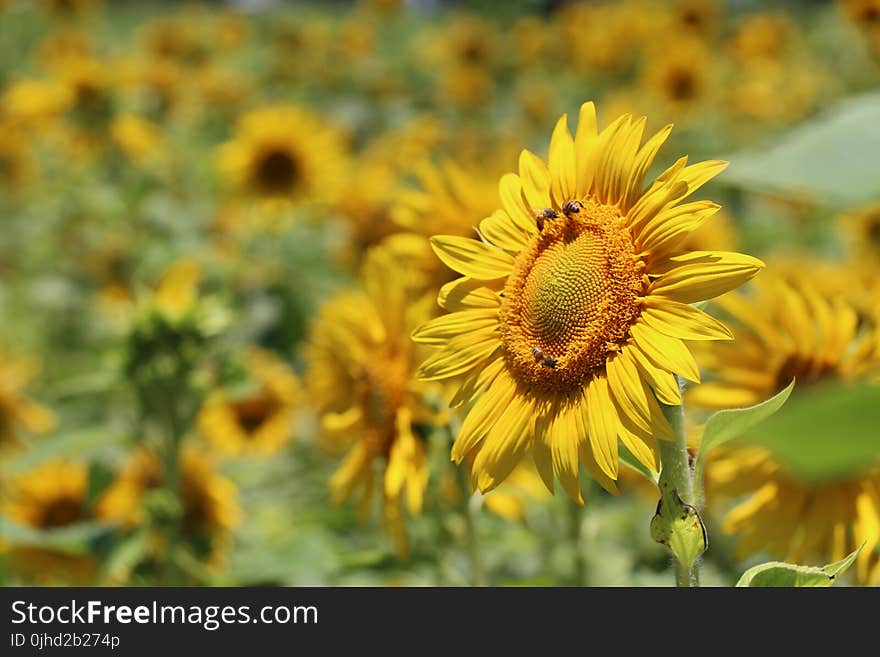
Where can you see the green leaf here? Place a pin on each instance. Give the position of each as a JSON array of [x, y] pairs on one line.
[[76, 444], [731, 423], [831, 159], [825, 431], [75, 539], [778, 573]]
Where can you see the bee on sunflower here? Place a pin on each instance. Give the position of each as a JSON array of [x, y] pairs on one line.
[[359, 374], [569, 322], [791, 328]]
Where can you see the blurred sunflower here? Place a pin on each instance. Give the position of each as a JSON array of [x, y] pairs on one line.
[[572, 311], [865, 14], [451, 200], [51, 496], [68, 9], [765, 35], [64, 44], [862, 228], [18, 413], [259, 422], [360, 364], [138, 139], [210, 506], [678, 77], [17, 162], [791, 329], [284, 154], [33, 103]]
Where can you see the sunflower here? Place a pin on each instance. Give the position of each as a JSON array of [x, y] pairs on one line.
[[766, 35], [790, 328], [865, 14], [33, 103], [210, 507], [451, 199], [360, 365], [567, 326], [678, 76], [17, 162], [18, 413], [51, 496], [863, 230], [139, 139], [283, 154], [259, 422]]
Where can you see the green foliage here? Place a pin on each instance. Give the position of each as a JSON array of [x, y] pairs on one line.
[[732, 423], [778, 573], [832, 159], [826, 431]]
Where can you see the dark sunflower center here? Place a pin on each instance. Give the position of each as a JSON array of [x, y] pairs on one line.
[[681, 84], [873, 230], [252, 413], [277, 171], [806, 370], [572, 298], [61, 512]]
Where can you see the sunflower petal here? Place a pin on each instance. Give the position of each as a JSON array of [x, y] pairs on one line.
[[472, 258]]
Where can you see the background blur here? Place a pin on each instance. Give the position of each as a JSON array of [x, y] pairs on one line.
[[185, 187]]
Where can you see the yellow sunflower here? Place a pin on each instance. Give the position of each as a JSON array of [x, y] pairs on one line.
[[18, 413], [865, 14], [17, 162], [790, 328], [49, 497], [451, 200], [139, 139], [863, 230], [283, 154], [259, 422], [210, 505], [678, 76], [569, 322], [360, 365]]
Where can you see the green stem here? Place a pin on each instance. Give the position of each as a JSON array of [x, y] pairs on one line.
[[678, 524], [478, 576], [575, 537]]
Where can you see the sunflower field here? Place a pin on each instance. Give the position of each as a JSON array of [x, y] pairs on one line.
[[434, 293]]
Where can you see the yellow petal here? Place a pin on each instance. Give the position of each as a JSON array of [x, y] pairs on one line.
[[501, 231], [535, 180], [472, 258], [463, 293], [667, 353], [603, 426], [482, 417], [441, 330], [682, 321], [706, 278], [561, 163]]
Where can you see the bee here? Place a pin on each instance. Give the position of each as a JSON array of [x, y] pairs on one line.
[[544, 215], [571, 207], [540, 357]]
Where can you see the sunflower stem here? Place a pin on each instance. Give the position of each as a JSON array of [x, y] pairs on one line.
[[677, 523], [576, 538], [478, 575]]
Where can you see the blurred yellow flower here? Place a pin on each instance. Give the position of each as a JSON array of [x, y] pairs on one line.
[[787, 329], [678, 76], [360, 364], [18, 413], [49, 497], [17, 162], [210, 501], [32, 103], [176, 292], [573, 309], [286, 154], [260, 422], [139, 139]]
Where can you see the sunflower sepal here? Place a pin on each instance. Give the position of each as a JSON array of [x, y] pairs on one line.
[[781, 574], [678, 525]]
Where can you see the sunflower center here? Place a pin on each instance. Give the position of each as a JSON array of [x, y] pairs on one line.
[[277, 171], [573, 295], [61, 512], [681, 84], [252, 413]]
